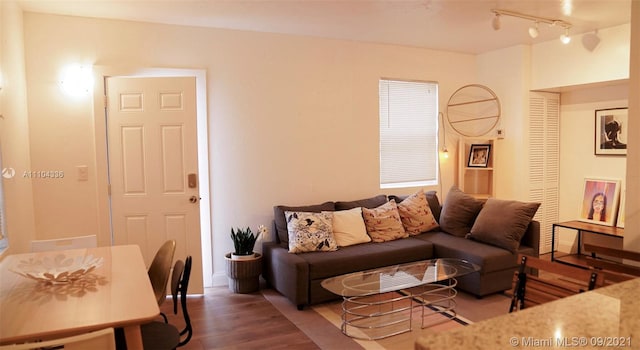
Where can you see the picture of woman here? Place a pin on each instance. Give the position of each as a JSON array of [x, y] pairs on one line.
[[600, 201], [598, 211]]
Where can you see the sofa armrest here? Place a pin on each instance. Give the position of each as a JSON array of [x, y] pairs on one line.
[[287, 273], [531, 237]]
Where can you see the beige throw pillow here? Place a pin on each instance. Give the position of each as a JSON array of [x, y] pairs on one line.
[[383, 223], [349, 227], [416, 215]]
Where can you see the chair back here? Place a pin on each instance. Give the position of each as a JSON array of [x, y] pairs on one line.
[[44, 245], [160, 269], [540, 281], [610, 262], [98, 340], [182, 288]]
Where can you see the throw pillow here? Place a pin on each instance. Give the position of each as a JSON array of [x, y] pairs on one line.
[[459, 212], [383, 223], [310, 232], [503, 223], [416, 215], [349, 227], [432, 199], [281, 222]]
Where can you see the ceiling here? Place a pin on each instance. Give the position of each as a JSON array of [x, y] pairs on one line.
[[451, 25]]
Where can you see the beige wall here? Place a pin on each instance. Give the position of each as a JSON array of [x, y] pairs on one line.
[[632, 215], [14, 132], [292, 120]]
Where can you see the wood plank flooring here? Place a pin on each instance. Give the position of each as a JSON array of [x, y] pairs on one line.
[[224, 320]]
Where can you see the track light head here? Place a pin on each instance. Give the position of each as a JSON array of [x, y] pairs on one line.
[[590, 41], [533, 31], [496, 22], [565, 38]]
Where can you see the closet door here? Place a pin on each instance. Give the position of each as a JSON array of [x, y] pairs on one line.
[[544, 161]]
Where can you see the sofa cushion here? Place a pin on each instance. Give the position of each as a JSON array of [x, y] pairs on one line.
[[366, 256], [488, 257], [503, 223], [459, 211], [309, 232], [372, 202], [416, 215], [432, 199], [281, 222], [383, 223], [349, 227]]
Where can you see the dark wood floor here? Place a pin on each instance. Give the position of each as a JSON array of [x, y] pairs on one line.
[[224, 320]]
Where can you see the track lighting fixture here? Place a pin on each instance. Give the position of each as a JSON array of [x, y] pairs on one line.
[[565, 38], [533, 30], [496, 22]]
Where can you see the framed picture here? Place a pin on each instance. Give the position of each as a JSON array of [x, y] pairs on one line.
[[611, 131], [479, 156], [620, 222], [600, 201]]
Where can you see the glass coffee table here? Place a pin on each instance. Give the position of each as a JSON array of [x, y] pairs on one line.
[[380, 303]]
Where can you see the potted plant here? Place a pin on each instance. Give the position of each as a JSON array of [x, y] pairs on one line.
[[243, 265], [243, 243]]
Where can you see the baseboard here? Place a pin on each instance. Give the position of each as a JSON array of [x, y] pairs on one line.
[[219, 279]]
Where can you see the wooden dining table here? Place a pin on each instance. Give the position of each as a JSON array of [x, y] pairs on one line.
[[116, 294]]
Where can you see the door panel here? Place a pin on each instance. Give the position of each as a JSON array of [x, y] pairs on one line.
[[152, 148]]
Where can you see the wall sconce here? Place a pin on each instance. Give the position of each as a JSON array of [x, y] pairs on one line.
[[533, 30], [77, 79], [445, 151]]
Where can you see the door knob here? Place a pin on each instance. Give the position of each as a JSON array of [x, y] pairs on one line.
[[194, 199]]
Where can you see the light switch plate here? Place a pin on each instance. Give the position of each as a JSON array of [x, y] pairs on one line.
[[83, 172]]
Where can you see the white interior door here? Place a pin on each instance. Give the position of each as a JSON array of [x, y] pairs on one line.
[[153, 163]]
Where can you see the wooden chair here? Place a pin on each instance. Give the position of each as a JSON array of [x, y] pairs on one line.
[[601, 259], [160, 269], [44, 245], [98, 340], [540, 281], [161, 335]]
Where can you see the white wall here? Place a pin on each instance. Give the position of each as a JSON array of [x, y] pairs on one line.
[[577, 159], [555, 64], [14, 132], [292, 120], [506, 72]]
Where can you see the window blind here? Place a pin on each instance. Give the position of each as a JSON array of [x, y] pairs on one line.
[[408, 133]]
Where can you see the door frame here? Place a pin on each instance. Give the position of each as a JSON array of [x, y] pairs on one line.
[[100, 73]]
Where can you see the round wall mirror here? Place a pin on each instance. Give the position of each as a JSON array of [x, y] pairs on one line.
[[473, 110]]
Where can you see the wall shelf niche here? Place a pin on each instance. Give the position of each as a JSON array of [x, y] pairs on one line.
[[478, 181]]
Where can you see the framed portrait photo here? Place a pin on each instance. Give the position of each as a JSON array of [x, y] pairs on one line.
[[600, 201], [611, 131], [479, 156]]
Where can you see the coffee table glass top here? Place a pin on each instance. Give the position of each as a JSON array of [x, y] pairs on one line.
[[397, 277]]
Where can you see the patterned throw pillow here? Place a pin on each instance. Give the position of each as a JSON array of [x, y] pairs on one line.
[[383, 223], [416, 215], [310, 232]]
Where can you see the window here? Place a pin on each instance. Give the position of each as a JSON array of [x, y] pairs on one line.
[[408, 133]]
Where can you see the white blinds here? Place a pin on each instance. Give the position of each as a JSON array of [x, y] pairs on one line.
[[408, 133]]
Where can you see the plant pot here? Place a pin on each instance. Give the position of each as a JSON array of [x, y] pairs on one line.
[[244, 274], [243, 257]]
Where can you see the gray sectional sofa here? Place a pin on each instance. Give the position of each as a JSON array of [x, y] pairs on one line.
[[298, 276]]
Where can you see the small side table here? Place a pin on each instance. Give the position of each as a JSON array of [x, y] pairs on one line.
[[581, 227]]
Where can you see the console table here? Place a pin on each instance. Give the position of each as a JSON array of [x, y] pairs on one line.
[[581, 227]]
